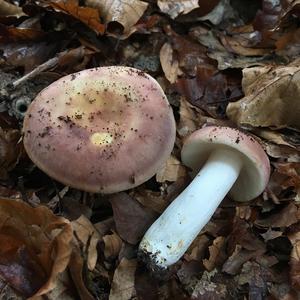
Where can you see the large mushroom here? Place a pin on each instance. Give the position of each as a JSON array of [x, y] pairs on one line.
[[229, 161], [100, 130]]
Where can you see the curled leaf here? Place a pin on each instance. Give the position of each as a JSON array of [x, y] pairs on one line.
[[126, 12], [36, 247]]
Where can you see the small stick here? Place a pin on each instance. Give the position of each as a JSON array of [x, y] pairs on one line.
[[41, 68]]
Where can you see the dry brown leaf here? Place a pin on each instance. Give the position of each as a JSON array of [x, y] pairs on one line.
[[131, 218], [86, 15], [171, 171], [214, 253], [174, 8], [122, 287], [169, 65], [271, 98], [126, 12], [89, 236], [8, 9], [113, 245], [36, 247]]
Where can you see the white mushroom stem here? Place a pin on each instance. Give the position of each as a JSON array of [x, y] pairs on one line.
[[172, 233]]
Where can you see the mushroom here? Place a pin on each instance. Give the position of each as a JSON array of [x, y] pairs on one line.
[[228, 160], [104, 130]]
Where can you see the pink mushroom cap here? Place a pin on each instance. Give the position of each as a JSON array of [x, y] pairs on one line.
[[255, 171], [103, 130]]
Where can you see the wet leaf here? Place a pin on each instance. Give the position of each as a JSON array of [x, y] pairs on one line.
[[36, 241], [122, 287], [270, 98], [131, 218]]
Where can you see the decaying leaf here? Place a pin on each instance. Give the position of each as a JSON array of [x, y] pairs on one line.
[[89, 236], [131, 218], [174, 8], [126, 12], [122, 287], [271, 98], [214, 253], [207, 288], [36, 247]]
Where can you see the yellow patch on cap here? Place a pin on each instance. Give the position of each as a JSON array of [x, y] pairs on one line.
[[101, 138]]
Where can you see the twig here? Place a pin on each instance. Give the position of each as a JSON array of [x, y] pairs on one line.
[[41, 68]]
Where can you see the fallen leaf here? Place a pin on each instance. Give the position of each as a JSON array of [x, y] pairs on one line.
[[10, 151], [131, 218], [88, 16], [270, 98], [271, 234], [257, 277], [235, 262], [156, 201], [226, 58], [207, 288], [189, 118], [126, 12], [198, 248], [113, 245], [288, 215], [215, 253], [8, 9], [169, 64], [171, 171], [122, 287], [89, 236], [37, 241], [76, 268], [174, 8]]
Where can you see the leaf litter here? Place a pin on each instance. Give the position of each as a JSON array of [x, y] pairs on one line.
[[221, 62]]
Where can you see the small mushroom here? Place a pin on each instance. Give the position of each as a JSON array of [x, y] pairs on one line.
[[102, 130], [229, 161]]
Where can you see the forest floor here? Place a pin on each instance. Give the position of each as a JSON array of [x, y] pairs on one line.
[[212, 59]]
